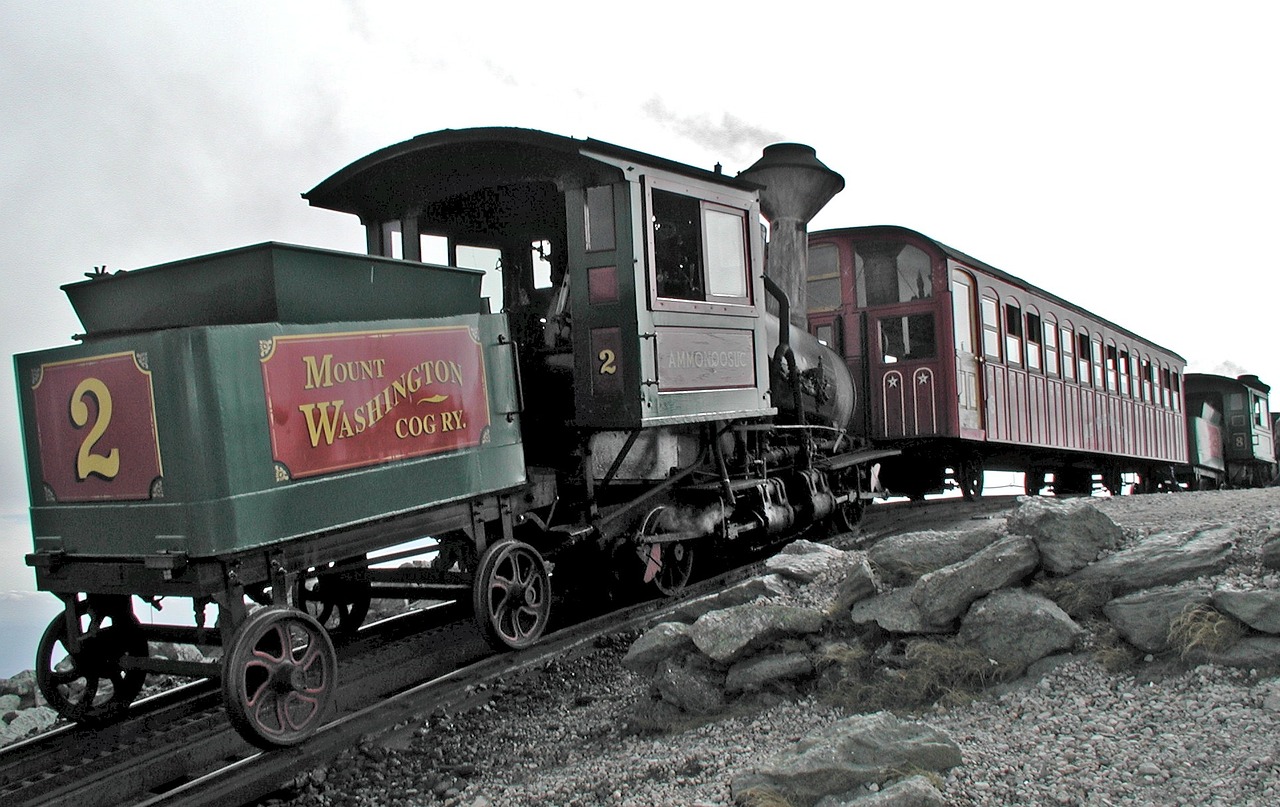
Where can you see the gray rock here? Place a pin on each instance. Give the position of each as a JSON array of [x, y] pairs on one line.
[[903, 558], [1162, 560], [1070, 533], [1014, 628], [657, 644], [1259, 609], [893, 611], [852, 752], [803, 546], [1269, 554], [943, 595], [689, 686], [837, 582], [23, 685], [733, 633], [770, 586], [1249, 653], [804, 567], [754, 674], [914, 791], [1143, 618], [9, 703], [28, 721], [1268, 692]]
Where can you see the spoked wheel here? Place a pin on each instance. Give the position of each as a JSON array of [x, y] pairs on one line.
[[668, 564], [971, 478], [338, 600], [89, 685], [848, 515], [512, 595], [279, 677]]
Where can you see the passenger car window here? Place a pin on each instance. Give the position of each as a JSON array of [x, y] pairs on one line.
[[824, 278], [908, 338], [1034, 347], [1013, 332], [890, 272], [990, 327]]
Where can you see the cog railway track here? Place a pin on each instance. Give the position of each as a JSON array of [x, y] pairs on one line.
[[176, 749]]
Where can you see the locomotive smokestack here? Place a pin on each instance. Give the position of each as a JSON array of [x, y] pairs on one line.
[[796, 186]]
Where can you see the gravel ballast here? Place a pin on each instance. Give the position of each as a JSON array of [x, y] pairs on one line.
[[1158, 732]]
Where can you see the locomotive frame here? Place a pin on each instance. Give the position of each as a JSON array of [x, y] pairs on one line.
[[246, 428]]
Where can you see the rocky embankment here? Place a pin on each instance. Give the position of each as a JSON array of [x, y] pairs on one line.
[[1102, 651], [1081, 652]]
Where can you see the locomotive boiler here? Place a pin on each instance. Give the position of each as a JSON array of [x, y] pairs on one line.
[[554, 348]]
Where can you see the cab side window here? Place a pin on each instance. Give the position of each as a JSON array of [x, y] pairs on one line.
[[699, 250]]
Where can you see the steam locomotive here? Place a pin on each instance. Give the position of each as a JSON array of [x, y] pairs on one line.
[[554, 348]]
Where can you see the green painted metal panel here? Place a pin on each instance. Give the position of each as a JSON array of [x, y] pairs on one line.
[[272, 282], [207, 471]]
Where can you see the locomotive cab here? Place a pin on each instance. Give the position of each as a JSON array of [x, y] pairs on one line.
[[635, 292], [639, 276]]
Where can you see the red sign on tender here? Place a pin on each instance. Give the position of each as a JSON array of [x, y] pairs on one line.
[[339, 401], [96, 424]]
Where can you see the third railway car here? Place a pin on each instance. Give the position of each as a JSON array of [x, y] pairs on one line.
[[967, 368], [1230, 431]]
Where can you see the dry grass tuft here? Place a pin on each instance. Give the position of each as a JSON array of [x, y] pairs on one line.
[[762, 797], [1079, 600], [933, 671], [1112, 652], [1203, 629]]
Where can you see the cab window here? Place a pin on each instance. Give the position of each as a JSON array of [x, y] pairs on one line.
[[699, 250]]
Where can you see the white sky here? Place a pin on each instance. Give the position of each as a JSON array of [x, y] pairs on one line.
[[1120, 154]]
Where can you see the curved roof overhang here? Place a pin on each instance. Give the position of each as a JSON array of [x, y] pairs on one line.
[[435, 166]]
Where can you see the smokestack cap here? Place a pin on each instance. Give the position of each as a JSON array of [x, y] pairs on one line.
[[796, 183]]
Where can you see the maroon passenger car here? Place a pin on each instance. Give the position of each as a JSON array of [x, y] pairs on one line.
[[965, 368]]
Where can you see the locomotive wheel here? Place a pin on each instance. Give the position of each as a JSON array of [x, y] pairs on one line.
[[338, 601], [668, 564], [512, 595], [89, 685], [971, 478], [848, 515], [279, 677]]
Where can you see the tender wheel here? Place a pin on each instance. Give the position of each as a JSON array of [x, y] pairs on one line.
[[279, 677], [971, 478], [512, 595], [90, 685], [668, 564], [339, 601]]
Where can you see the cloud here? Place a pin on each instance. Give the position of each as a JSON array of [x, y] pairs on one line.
[[740, 139]]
